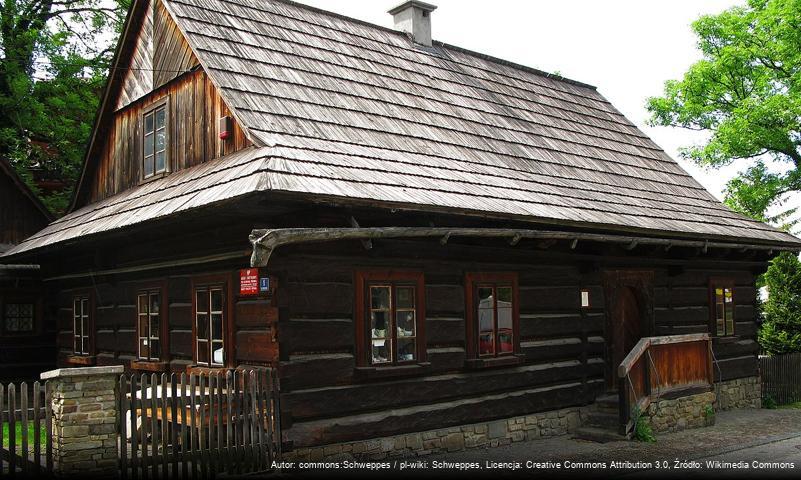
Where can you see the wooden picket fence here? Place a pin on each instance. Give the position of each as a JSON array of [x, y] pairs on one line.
[[27, 408], [781, 377], [174, 426]]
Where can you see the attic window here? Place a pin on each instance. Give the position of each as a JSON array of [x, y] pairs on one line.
[[154, 151]]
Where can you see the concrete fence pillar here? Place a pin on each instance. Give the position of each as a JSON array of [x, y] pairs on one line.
[[84, 402]]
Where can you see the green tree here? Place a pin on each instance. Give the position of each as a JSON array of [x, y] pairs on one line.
[[746, 93], [781, 312], [54, 55]]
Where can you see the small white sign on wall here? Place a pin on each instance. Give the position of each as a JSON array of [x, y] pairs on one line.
[[585, 299]]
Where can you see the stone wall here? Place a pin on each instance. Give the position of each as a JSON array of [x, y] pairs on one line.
[[740, 393], [84, 420], [680, 413], [478, 435]]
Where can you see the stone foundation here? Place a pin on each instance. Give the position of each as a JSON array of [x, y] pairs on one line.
[[485, 434], [680, 413], [740, 393]]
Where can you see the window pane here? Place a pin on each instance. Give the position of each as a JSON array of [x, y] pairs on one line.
[[216, 300], [721, 327], [12, 324], [160, 117], [161, 162], [378, 323], [202, 352], [12, 310], [504, 297], [486, 321], [154, 326], [201, 301], [85, 307], [719, 295], [25, 324], [218, 353], [154, 349], [148, 166], [728, 295], [148, 123], [143, 326], [404, 321], [405, 297], [202, 326], [407, 349], [216, 326], [142, 304], [505, 326], [161, 140], [154, 303], [144, 351], [148, 146], [379, 298], [505, 330], [380, 351]]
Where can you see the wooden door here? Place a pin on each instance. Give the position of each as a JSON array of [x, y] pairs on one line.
[[629, 315], [627, 328]]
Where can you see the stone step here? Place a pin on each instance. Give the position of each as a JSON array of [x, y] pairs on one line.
[[598, 435], [603, 419]]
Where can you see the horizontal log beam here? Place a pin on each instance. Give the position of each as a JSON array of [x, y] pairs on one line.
[[266, 241]]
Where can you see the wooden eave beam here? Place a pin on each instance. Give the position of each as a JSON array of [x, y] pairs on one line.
[[264, 242]]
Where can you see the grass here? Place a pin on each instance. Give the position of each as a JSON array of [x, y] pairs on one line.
[[18, 435], [796, 405]]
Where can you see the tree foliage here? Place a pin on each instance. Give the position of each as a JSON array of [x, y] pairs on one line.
[[781, 323], [54, 55], [745, 92]]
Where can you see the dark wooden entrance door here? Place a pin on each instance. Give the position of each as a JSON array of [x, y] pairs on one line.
[[627, 328], [629, 315]]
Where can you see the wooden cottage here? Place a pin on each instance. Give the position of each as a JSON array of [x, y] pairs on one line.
[[26, 342], [416, 235]]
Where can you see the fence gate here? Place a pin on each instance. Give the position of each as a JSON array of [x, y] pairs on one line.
[[174, 426], [781, 377], [26, 447]]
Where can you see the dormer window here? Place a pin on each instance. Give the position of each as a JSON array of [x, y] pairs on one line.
[[154, 151]]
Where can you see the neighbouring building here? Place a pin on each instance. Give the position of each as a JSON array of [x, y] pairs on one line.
[[26, 341], [419, 237]]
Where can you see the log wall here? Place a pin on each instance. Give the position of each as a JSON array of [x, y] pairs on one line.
[[325, 400]]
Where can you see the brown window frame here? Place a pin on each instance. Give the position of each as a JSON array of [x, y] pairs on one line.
[[474, 280], [152, 109], [87, 346], [393, 278], [163, 330], [208, 283], [726, 284]]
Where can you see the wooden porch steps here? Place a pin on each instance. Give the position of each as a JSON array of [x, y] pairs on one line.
[[603, 421]]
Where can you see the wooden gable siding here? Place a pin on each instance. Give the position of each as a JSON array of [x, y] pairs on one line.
[[138, 78], [19, 217], [160, 53], [194, 111], [172, 55]]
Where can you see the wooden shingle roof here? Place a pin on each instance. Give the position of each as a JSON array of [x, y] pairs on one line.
[[348, 110]]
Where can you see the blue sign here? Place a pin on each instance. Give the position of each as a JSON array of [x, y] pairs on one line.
[[264, 284]]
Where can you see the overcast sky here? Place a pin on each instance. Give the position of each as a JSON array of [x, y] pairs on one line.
[[626, 48]]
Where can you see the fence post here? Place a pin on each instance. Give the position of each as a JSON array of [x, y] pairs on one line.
[[84, 404]]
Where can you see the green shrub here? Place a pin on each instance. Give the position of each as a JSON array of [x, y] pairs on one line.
[[769, 402], [781, 313], [709, 411], [642, 430]]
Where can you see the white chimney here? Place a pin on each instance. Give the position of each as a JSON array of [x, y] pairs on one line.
[[414, 17]]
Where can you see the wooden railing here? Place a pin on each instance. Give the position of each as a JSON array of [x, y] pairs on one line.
[[660, 365]]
